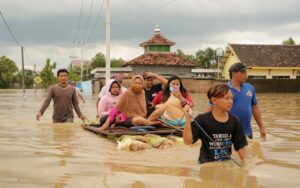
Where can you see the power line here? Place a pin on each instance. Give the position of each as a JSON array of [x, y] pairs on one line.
[[15, 39], [9, 30], [88, 20], [30, 62], [79, 23], [95, 26]]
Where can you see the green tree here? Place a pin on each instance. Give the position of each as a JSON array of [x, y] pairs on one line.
[[29, 76], [117, 62], [8, 70], [48, 78], [188, 57], [206, 58], [98, 61], [74, 73], [289, 41]]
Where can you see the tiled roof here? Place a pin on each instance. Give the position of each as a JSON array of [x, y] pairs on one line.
[[160, 59], [268, 55], [77, 63], [157, 39]]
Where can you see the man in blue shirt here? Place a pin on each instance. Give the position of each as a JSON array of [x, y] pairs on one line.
[[244, 101]]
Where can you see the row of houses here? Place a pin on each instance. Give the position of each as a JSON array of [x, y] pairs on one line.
[[263, 61]]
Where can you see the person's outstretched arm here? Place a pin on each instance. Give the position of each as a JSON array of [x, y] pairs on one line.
[[81, 96], [242, 153], [257, 116], [76, 106], [187, 132], [45, 104]]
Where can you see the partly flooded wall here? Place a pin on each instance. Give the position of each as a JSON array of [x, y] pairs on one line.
[[196, 85]]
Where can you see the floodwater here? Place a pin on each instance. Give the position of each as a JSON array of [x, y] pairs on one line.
[[41, 154]]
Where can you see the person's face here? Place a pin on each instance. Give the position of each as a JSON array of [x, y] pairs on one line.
[[240, 76], [63, 78], [137, 85], [149, 82], [115, 89], [175, 84], [224, 103]]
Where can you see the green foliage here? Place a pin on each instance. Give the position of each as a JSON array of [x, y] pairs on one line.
[[203, 58], [206, 58], [117, 62], [29, 77], [8, 70], [98, 61], [188, 57], [48, 78], [289, 41], [74, 73]]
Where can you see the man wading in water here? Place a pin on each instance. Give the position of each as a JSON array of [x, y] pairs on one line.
[[64, 98]]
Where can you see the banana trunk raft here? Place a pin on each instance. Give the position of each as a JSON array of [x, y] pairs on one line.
[[141, 137]]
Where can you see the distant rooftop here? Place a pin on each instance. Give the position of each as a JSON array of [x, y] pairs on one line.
[[160, 59], [254, 55], [157, 39], [77, 63]]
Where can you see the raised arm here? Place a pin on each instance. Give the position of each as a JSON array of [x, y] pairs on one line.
[[157, 76]]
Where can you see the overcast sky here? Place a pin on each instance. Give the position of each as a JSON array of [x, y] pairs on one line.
[[52, 28]]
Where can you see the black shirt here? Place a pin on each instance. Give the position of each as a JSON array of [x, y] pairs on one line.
[[222, 135], [151, 93]]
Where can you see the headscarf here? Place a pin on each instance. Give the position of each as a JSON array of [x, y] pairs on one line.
[[109, 85], [133, 104]]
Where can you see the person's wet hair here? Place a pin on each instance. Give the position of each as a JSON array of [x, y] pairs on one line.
[[62, 70], [217, 91]]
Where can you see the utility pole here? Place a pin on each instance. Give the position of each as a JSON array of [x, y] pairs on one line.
[[107, 40], [34, 69], [81, 43], [23, 74], [219, 54]]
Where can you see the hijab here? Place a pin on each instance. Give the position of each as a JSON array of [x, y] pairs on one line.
[[133, 103]]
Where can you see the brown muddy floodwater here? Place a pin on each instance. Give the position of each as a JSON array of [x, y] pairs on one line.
[[41, 154]]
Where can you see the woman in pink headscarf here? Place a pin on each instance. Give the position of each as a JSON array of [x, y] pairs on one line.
[[110, 99]]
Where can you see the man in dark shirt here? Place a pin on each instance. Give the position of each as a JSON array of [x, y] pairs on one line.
[[64, 100], [150, 88]]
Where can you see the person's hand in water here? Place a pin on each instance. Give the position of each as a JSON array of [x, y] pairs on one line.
[[83, 118], [263, 133], [38, 116]]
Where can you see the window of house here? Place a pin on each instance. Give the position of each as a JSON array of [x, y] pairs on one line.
[[281, 77], [257, 77]]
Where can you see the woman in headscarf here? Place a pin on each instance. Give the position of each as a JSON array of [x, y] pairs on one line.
[[110, 99], [131, 109]]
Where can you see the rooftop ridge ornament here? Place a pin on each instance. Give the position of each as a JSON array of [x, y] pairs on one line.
[[156, 30]]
